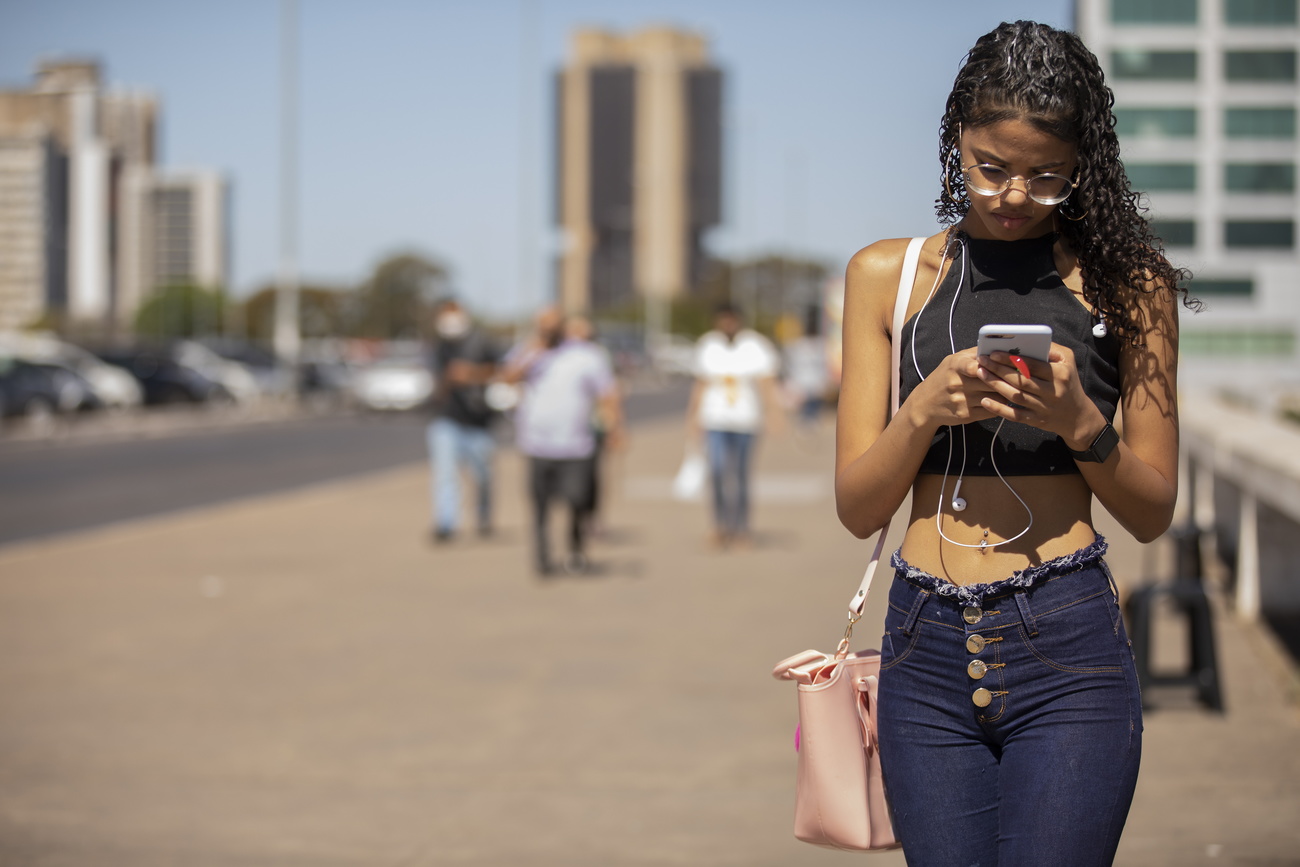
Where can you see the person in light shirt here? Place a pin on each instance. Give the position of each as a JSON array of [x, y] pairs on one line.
[[734, 393], [566, 380]]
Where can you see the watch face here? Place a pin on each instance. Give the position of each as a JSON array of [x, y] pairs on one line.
[[1101, 447], [1105, 444]]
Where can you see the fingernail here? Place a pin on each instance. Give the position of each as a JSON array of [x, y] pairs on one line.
[[1020, 365]]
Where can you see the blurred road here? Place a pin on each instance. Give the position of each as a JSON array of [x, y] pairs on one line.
[[49, 487]]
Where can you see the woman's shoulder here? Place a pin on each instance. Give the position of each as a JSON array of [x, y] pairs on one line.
[[883, 260]]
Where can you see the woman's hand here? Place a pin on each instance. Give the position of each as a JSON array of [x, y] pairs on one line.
[[1050, 398], [953, 394]]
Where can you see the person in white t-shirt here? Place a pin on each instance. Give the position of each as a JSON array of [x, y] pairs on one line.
[[735, 388]]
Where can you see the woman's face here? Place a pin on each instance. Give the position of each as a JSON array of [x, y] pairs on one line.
[[1023, 151]]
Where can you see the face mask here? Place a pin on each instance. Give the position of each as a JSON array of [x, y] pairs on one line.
[[452, 325]]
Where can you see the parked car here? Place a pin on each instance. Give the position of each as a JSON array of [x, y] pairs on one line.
[[396, 382], [73, 393], [272, 378], [112, 386], [165, 379], [234, 377], [28, 391]]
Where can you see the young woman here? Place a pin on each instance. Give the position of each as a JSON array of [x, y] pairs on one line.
[[1010, 720]]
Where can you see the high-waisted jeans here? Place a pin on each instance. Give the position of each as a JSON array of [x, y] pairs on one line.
[[1009, 716]]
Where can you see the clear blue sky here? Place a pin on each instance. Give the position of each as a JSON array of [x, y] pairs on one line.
[[427, 125]]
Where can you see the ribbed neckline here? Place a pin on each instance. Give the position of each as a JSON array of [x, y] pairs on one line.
[[1021, 265], [1019, 246]]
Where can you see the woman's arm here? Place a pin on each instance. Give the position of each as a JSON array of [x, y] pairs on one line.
[[876, 458], [1138, 482], [1140, 488]]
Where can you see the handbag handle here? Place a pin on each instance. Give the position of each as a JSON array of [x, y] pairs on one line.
[[910, 261]]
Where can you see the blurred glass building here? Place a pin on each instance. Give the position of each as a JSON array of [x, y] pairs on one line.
[[1206, 100], [639, 151]]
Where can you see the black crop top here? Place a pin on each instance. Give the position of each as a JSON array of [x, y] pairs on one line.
[[1011, 283]]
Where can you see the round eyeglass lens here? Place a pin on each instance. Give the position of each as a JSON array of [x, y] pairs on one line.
[[1046, 189]]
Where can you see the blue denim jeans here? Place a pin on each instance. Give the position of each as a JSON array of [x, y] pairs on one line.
[[1010, 720], [729, 453], [452, 446]]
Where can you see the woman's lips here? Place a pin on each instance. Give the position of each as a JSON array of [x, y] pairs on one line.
[[1010, 221]]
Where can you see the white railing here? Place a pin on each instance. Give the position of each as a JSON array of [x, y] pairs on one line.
[[1241, 469]]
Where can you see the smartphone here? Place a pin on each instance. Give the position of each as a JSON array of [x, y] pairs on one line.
[[1029, 341]]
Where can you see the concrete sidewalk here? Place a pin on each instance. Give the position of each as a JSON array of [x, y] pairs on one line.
[[305, 680]]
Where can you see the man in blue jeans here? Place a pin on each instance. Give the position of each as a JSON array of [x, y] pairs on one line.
[[460, 434], [735, 376]]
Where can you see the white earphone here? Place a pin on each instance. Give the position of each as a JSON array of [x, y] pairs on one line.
[[1099, 330], [958, 502]]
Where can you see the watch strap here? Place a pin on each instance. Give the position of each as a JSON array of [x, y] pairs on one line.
[[1101, 447]]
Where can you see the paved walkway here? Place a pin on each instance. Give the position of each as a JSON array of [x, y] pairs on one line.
[[304, 680]]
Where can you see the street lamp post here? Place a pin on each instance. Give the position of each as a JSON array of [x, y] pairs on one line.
[[287, 337]]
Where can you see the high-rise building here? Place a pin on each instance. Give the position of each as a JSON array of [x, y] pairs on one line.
[[639, 153], [184, 230], [69, 227], [1206, 100]]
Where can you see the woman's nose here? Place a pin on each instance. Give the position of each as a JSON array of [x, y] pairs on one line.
[[1017, 190]]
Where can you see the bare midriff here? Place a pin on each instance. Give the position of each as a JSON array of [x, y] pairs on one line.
[[1062, 524]]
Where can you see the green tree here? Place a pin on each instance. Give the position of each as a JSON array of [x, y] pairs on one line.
[[181, 310], [395, 302], [323, 311]]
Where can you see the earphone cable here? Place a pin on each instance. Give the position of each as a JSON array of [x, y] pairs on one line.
[[952, 343]]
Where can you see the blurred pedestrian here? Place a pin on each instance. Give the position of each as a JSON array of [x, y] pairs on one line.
[[807, 376], [734, 394], [460, 435], [580, 329], [565, 380]]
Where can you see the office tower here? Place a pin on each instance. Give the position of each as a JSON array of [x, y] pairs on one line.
[[184, 231], [67, 147], [639, 153], [1206, 100]]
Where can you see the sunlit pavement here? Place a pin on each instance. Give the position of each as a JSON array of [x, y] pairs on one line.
[[306, 679]]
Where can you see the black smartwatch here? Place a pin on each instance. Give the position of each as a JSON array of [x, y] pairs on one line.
[[1101, 447]]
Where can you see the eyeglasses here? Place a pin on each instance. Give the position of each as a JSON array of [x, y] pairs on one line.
[[1046, 189]]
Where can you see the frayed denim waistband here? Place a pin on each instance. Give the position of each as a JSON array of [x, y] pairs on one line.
[[975, 594]]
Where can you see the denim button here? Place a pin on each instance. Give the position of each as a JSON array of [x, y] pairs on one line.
[[977, 669], [982, 697], [975, 643], [972, 615]]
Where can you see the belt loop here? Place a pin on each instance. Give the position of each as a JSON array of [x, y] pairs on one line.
[[1114, 588], [917, 603], [1026, 614]]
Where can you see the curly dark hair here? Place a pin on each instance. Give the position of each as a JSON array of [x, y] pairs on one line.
[[1050, 79]]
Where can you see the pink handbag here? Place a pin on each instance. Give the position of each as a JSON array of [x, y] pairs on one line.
[[839, 790]]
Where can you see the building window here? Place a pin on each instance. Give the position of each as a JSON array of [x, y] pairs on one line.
[[1139, 65], [1260, 11], [1241, 288], [1260, 122], [1162, 176], [1153, 11], [1273, 234], [1262, 342], [1156, 122], [1260, 65], [1260, 178], [1175, 233]]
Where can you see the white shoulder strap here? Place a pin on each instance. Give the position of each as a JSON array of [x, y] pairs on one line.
[[905, 281]]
